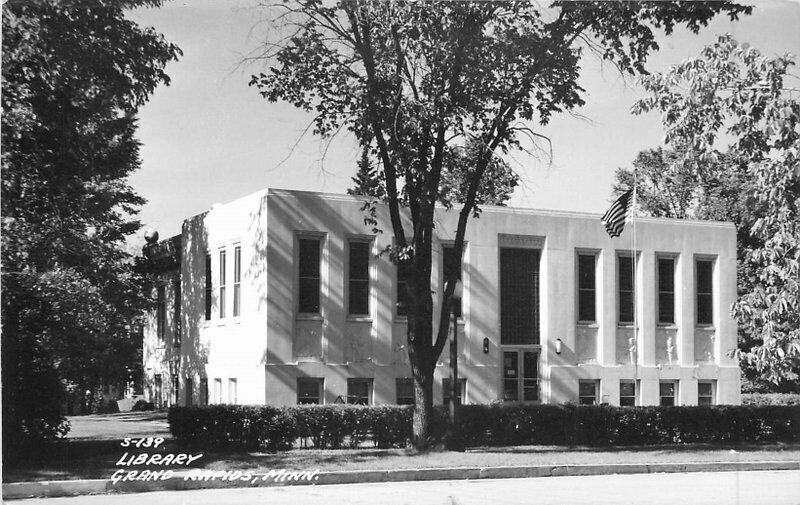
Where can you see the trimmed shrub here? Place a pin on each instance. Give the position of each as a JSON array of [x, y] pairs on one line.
[[335, 426], [142, 405], [771, 399]]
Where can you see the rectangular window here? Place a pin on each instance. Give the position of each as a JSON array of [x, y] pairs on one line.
[[587, 279], [222, 284], [217, 390], [627, 393], [358, 281], [237, 281], [668, 393], [705, 393], [359, 391], [161, 310], [451, 264], [158, 400], [309, 390], [403, 296], [203, 391], [176, 386], [626, 271], [189, 392], [666, 290], [447, 390], [309, 275], [208, 287], [177, 311], [233, 392], [519, 296], [588, 392], [405, 391], [705, 298]]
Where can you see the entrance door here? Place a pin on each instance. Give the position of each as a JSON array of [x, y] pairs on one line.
[[521, 375]]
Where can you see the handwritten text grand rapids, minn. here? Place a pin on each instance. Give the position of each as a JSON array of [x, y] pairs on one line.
[[147, 459]]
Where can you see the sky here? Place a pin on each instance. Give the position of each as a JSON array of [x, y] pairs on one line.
[[209, 138]]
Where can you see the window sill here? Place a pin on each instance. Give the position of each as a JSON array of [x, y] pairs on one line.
[[629, 326], [667, 326], [707, 327], [359, 319], [309, 317], [587, 324]]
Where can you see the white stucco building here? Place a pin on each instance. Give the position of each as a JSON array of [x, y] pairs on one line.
[[282, 297]]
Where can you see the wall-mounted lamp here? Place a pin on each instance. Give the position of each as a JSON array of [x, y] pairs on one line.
[[485, 346], [558, 346]]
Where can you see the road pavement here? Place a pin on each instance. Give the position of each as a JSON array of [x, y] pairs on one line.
[[723, 488]]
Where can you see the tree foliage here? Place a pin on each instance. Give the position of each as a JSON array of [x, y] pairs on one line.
[[413, 80], [734, 92], [73, 75]]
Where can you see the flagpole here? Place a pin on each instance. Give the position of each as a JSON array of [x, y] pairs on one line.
[[636, 393]]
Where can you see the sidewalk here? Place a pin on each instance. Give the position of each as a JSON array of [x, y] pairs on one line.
[[185, 480]]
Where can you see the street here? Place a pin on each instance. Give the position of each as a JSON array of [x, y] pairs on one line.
[[724, 488]]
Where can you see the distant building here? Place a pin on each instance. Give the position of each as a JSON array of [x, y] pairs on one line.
[[283, 297]]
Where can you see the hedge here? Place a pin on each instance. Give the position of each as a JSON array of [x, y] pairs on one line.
[[335, 426], [770, 399]]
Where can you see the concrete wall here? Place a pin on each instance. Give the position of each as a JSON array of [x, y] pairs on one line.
[[271, 345]]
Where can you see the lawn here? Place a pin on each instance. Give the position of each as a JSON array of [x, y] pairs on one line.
[[93, 449]]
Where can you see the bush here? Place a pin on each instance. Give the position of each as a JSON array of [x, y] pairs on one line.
[[142, 405], [334, 426], [771, 399]]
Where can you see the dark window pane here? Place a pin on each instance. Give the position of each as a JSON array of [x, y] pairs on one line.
[[358, 391], [626, 307], [666, 308], [627, 293], [358, 292], [666, 389], [403, 296], [586, 271], [666, 290], [704, 388], [530, 365], [519, 296], [451, 264], [405, 391], [626, 273], [586, 306], [446, 390], [208, 287], [705, 298], [627, 389], [309, 282], [309, 391]]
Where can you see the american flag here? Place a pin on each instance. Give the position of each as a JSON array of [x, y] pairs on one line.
[[618, 214]]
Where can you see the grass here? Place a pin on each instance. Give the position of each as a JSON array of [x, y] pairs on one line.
[[93, 448]]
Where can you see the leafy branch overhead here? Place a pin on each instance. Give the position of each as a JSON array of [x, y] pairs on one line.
[[734, 92]]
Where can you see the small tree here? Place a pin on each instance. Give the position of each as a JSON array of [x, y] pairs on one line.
[[734, 90], [413, 80]]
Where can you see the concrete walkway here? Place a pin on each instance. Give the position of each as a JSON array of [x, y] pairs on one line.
[[200, 479]]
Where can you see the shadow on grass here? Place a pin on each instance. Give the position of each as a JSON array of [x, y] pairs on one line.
[[667, 448]]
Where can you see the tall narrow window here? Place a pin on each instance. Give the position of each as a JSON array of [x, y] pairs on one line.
[[189, 392], [218, 390], [237, 280], [666, 290], [403, 296], [208, 287], [705, 296], [222, 257], [627, 290], [451, 264], [519, 296], [161, 310], [204, 391], [233, 391], [358, 281], [587, 279], [177, 311], [309, 273]]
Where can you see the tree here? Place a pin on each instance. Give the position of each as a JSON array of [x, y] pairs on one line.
[[412, 80], [74, 75], [732, 91]]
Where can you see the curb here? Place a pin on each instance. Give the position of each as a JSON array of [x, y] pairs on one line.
[[215, 480]]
